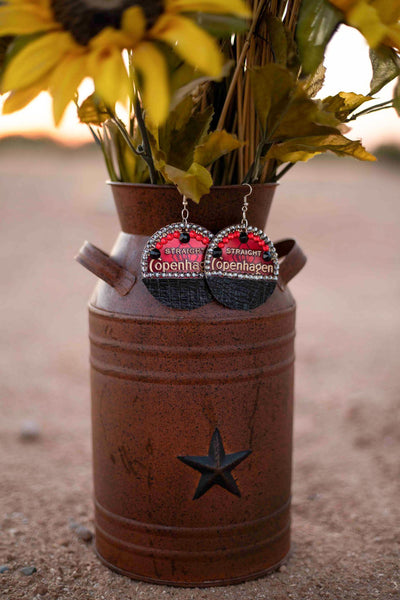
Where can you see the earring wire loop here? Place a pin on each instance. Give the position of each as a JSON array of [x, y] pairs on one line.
[[245, 206], [185, 212]]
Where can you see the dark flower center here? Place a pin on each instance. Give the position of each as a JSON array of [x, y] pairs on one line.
[[84, 19]]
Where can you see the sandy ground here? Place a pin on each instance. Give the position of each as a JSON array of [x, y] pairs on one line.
[[346, 510]]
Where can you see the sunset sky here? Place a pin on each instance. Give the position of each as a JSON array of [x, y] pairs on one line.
[[348, 69]]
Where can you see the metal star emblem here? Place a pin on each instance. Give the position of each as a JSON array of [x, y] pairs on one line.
[[216, 468]]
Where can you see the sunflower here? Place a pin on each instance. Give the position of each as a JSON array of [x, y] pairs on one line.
[[377, 20], [60, 42]]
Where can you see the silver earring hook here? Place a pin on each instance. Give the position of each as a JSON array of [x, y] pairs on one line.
[[249, 192], [245, 206]]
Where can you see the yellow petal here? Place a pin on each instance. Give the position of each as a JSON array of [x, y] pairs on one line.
[[108, 71], [19, 99], [155, 91], [193, 44], [393, 36], [110, 37], [365, 18], [23, 20], [343, 5], [134, 23], [65, 81], [388, 10], [236, 7], [35, 60]]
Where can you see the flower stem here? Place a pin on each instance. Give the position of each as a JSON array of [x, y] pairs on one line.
[[239, 66], [375, 108], [147, 155], [283, 171]]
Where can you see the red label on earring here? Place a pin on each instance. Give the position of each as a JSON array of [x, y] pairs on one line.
[[241, 267], [243, 253], [179, 252], [173, 266]]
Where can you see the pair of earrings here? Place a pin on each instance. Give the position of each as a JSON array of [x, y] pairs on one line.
[[184, 266]]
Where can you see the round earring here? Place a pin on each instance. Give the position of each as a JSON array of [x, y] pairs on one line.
[[241, 264], [173, 264]]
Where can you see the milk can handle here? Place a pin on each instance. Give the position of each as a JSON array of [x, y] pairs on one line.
[[105, 267], [294, 260]]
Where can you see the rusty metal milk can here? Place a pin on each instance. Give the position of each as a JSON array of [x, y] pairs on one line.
[[191, 410]]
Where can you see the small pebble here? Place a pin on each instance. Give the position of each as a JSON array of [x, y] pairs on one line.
[[42, 589], [29, 431], [84, 533], [282, 568], [4, 568], [28, 570]]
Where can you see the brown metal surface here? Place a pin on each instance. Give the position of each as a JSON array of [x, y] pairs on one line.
[[192, 417], [99, 263]]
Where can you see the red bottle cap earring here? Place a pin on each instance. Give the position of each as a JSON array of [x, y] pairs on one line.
[[241, 265], [173, 264]]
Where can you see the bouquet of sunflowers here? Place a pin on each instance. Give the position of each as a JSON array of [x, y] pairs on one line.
[[198, 92]]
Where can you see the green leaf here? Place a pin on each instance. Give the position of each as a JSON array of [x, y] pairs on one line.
[[185, 140], [273, 86], [277, 38], [214, 146], [344, 103], [396, 97], [304, 116], [218, 25], [193, 183], [177, 120], [284, 108], [385, 67], [318, 20], [304, 148], [293, 59]]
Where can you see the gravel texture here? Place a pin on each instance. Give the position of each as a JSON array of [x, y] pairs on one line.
[[346, 509]]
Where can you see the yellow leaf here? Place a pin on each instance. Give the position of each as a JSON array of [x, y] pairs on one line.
[[193, 184], [93, 111], [344, 103], [303, 148], [215, 145]]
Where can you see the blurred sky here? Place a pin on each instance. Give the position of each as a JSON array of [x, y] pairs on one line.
[[348, 69]]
